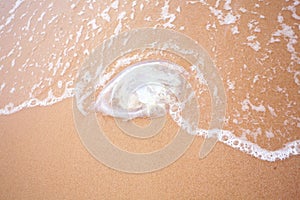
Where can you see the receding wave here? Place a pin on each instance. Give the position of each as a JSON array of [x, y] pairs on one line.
[[44, 43]]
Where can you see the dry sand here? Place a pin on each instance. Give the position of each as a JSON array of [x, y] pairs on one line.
[[42, 157]]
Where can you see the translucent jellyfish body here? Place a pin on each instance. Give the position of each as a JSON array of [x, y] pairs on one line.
[[145, 89]]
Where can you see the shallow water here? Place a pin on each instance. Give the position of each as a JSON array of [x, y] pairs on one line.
[[255, 48]]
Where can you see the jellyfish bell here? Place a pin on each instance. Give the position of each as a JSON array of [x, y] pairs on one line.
[[146, 89]]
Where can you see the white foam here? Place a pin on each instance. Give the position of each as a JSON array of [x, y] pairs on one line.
[[119, 26], [287, 32], [222, 13], [12, 13], [269, 134], [231, 85], [59, 84], [272, 111], [78, 34], [175, 108], [289, 149], [254, 45], [297, 77], [12, 90], [93, 24], [41, 16], [2, 87], [225, 19], [167, 16], [33, 102], [105, 15], [115, 4], [235, 30], [246, 103]]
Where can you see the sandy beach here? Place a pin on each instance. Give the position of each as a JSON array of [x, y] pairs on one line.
[[42, 157], [254, 46]]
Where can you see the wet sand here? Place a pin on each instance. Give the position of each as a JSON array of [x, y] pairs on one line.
[[42, 157]]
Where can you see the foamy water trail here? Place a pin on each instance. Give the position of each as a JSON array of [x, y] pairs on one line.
[[124, 98], [44, 43]]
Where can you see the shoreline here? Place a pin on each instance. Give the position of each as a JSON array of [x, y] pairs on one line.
[[43, 157], [253, 46]]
